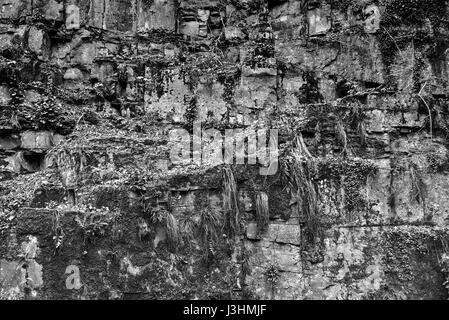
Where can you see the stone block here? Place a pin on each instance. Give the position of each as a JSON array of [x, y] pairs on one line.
[[159, 15], [120, 15], [6, 42], [85, 54], [73, 74], [72, 17], [9, 142], [232, 33], [264, 253], [53, 10], [210, 102], [256, 90], [15, 9], [39, 139], [35, 221], [277, 232], [190, 28], [39, 42], [319, 21], [194, 21], [170, 102]]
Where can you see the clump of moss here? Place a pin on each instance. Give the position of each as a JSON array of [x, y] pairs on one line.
[[412, 256], [230, 80], [413, 12], [259, 53], [309, 91], [46, 114], [437, 162], [272, 273]]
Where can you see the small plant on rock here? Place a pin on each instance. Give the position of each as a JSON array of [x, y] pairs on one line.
[[272, 273], [96, 221]]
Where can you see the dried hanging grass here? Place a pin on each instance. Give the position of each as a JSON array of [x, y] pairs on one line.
[[341, 136], [262, 211], [298, 175], [418, 190], [230, 202], [167, 220], [209, 226]]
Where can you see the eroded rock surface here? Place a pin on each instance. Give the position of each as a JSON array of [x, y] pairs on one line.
[[92, 206]]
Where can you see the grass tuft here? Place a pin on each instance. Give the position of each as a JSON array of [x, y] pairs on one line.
[[262, 212], [164, 218], [209, 224], [418, 190], [297, 171], [230, 203]]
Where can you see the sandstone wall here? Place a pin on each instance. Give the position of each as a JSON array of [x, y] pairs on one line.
[[92, 207]]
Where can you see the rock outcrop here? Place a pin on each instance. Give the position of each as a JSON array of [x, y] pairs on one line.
[[93, 204]]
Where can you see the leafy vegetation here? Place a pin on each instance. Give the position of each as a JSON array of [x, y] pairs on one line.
[[95, 222]]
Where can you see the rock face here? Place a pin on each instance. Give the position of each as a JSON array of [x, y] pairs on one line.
[[101, 196]]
